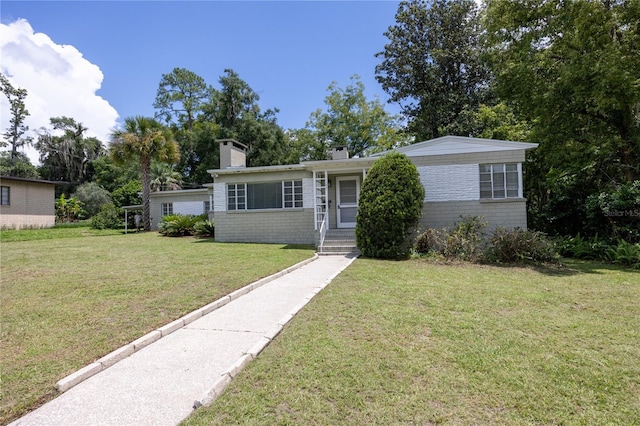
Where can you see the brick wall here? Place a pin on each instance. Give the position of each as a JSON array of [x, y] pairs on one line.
[[278, 226], [511, 213], [32, 205]]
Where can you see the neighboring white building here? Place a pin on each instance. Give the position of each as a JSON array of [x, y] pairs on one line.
[[26, 203], [183, 201]]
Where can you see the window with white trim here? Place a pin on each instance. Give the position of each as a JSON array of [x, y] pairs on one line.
[[206, 206], [264, 195], [500, 181], [5, 195], [167, 209]]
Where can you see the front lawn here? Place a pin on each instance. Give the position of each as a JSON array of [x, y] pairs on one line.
[[420, 343], [66, 302]]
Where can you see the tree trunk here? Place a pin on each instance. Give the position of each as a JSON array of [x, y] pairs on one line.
[[145, 163]]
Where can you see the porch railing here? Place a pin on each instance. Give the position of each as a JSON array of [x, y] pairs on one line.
[[323, 232]]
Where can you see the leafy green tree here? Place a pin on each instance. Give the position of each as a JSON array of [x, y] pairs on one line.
[[180, 97], [349, 120], [389, 208], [500, 122], [69, 156], [235, 109], [127, 194], [92, 196], [432, 65], [21, 166], [571, 69], [145, 140], [15, 134], [112, 176]]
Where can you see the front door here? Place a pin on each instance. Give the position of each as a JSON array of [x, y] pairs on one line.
[[348, 190]]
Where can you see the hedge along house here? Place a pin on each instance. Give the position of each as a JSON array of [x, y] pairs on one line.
[[316, 202]]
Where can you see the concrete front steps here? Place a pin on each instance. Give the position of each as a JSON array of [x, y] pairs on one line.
[[339, 242]]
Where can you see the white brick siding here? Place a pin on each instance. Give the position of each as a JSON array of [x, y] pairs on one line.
[[307, 193], [194, 208], [452, 182], [220, 197]]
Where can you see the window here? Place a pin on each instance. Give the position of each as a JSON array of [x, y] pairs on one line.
[[500, 181], [265, 195], [206, 206], [167, 209], [5, 196]]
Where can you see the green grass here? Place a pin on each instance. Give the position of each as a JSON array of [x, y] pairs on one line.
[[69, 300], [420, 343]]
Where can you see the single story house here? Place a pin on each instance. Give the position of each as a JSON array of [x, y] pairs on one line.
[[26, 203], [182, 201], [303, 203]]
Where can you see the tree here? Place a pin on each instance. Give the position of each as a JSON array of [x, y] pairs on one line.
[[21, 166], [349, 120], [69, 156], [164, 178], [572, 70], [235, 109], [432, 65], [92, 196], [14, 135], [389, 208], [145, 140], [180, 97]]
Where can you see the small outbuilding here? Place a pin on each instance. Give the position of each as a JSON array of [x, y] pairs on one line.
[[26, 203]]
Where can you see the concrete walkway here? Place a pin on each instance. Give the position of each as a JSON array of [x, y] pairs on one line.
[[181, 366]]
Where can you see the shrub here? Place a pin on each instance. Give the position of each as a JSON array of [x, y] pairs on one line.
[[107, 218], [93, 197], [205, 229], [517, 245], [389, 208], [625, 253], [178, 225], [582, 248], [465, 241]]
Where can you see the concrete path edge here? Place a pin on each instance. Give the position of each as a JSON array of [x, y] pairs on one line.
[[125, 351], [227, 377]]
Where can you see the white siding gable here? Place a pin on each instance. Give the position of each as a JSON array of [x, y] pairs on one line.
[[452, 182]]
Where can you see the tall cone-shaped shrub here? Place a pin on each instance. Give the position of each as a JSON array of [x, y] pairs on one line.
[[389, 208]]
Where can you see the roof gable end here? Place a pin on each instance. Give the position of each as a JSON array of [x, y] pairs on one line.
[[461, 145]]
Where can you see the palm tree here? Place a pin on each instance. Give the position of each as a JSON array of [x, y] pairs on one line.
[[144, 139], [164, 178]]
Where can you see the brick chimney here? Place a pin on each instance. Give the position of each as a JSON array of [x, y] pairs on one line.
[[232, 153], [339, 153]]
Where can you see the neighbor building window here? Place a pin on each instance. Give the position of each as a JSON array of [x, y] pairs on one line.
[[500, 181], [167, 209], [264, 195], [5, 195]]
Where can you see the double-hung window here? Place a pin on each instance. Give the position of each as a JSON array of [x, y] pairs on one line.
[[264, 195], [167, 209], [500, 181], [5, 195]]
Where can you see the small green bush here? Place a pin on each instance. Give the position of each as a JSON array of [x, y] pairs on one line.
[[205, 229], [179, 225], [518, 245], [107, 218], [625, 253], [583, 248], [389, 208]]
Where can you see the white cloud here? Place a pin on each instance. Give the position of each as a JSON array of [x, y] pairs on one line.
[[58, 79]]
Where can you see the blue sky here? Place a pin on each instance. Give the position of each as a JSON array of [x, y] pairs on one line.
[[288, 52]]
